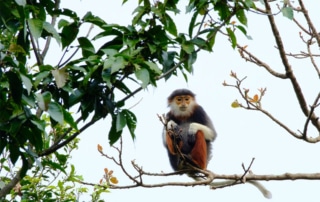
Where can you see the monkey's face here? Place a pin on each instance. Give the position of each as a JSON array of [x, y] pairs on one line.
[[182, 105], [183, 102]]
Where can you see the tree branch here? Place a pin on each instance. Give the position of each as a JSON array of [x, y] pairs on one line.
[[297, 89], [311, 26], [8, 187], [251, 58], [53, 22]]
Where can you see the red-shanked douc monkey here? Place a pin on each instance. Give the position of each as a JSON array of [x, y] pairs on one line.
[[194, 128], [188, 135]]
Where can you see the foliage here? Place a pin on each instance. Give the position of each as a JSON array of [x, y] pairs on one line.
[[95, 83]]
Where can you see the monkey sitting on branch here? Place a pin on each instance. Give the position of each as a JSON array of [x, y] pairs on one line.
[[188, 134]]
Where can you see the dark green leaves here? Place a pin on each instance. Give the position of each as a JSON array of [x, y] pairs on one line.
[[15, 86], [69, 33], [86, 47], [232, 37], [119, 121], [240, 14]]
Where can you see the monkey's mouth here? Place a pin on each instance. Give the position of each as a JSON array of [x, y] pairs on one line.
[[183, 108]]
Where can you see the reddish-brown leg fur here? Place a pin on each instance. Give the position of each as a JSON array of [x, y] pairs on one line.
[[199, 151], [170, 144]]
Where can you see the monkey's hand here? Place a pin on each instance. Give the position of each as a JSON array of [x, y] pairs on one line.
[[174, 131], [171, 125], [208, 133]]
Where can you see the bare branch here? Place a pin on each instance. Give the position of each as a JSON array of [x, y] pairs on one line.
[[312, 108], [53, 22], [257, 107], [311, 26], [289, 71], [285, 176], [251, 58], [312, 59]]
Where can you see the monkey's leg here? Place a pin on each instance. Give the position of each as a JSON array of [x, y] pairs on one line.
[[199, 150], [173, 143]]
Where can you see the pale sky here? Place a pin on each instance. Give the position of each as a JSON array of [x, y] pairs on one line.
[[242, 134]]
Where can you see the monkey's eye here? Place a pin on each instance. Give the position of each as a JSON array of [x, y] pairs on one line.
[[179, 99]]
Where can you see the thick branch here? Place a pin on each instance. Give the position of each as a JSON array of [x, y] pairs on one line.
[[289, 71], [8, 187], [285, 176]]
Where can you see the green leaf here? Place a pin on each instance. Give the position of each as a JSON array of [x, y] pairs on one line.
[[242, 17], [27, 82], [170, 26], [40, 124], [43, 100], [287, 12], [235, 104], [201, 43], [191, 59], [140, 10], [94, 19], [131, 122], [232, 37], [211, 39], [168, 59], [40, 76], [50, 29], [29, 100], [86, 47], [15, 86], [121, 121], [114, 135], [55, 111], [188, 47], [21, 2], [15, 48], [153, 67], [13, 152], [63, 23], [34, 135], [68, 34], [36, 27], [144, 76], [69, 119], [119, 63], [223, 10], [60, 76], [250, 4]]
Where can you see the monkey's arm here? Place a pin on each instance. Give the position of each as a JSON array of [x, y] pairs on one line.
[[209, 134]]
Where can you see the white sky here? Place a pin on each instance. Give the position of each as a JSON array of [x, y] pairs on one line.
[[242, 134]]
